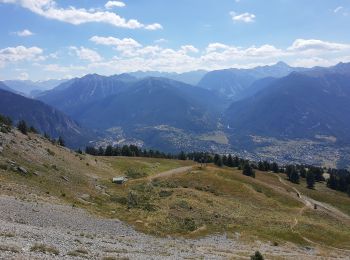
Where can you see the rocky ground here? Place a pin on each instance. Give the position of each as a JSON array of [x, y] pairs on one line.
[[42, 230]]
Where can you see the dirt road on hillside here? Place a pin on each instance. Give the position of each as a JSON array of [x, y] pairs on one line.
[[310, 203], [172, 172]]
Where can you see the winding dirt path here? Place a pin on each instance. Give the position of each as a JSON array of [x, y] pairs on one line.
[[171, 172], [310, 203]]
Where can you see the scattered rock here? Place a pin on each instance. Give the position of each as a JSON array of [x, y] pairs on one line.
[[22, 170], [11, 162], [85, 196], [65, 178], [36, 173]]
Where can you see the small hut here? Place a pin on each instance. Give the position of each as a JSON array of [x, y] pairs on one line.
[[120, 180]]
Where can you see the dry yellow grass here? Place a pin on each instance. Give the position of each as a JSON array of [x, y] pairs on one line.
[[196, 203]]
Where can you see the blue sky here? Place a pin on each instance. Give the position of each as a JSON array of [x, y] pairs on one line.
[[42, 39]]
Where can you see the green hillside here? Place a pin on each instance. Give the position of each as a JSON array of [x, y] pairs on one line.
[[161, 199]]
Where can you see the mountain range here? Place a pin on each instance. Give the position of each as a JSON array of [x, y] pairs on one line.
[[233, 83], [299, 105], [191, 77], [226, 106], [32, 88]]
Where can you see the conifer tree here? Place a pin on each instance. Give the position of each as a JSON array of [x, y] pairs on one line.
[[22, 127], [310, 180], [61, 141]]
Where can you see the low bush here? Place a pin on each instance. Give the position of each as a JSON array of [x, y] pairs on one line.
[[44, 249], [135, 174]]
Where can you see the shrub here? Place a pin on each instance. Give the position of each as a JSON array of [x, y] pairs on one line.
[[44, 249], [135, 174], [142, 201], [13, 249], [120, 200], [165, 193], [189, 224], [22, 127], [50, 152], [5, 120], [248, 170], [3, 166], [257, 256], [78, 252], [33, 130]]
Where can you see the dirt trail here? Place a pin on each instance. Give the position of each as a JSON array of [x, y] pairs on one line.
[[171, 172], [310, 203]]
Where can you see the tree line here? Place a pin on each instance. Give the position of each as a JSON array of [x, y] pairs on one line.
[[6, 124], [129, 151], [339, 178]]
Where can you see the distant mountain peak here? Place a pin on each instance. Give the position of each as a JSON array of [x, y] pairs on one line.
[[281, 64]]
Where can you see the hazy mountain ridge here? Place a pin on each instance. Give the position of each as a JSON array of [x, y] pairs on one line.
[[102, 102], [71, 97], [233, 83], [191, 77], [301, 105], [32, 88], [44, 118]]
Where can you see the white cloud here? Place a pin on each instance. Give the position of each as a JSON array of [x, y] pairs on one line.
[[130, 55], [86, 54], [126, 45], [312, 45], [153, 27], [217, 46], [162, 40], [76, 16], [339, 8], [63, 69], [244, 17], [24, 33], [189, 48], [23, 76], [20, 53], [112, 4]]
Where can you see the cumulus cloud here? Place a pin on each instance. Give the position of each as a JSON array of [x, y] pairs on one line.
[[86, 54], [112, 4], [244, 17], [129, 54], [24, 33], [19, 53], [189, 49], [153, 27], [50, 9], [161, 40], [132, 55], [312, 45]]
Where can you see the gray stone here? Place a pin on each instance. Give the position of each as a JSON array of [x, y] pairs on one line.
[[65, 178], [22, 170]]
